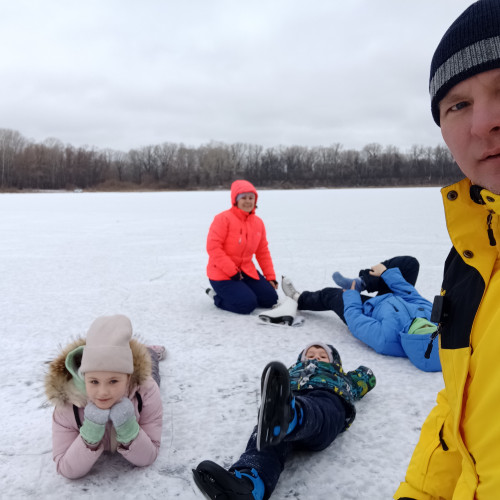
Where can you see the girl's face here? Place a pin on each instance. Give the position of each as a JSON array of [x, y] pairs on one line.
[[105, 389], [246, 202], [317, 353]]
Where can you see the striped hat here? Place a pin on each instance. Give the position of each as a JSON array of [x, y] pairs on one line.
[[470, 46]]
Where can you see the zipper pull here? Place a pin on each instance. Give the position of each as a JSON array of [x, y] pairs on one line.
[[430, 345]]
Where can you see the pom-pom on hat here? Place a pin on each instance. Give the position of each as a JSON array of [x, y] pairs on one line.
[[471, 45], [107, 346]]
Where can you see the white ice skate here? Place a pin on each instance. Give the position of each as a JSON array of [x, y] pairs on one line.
[[282, 314]]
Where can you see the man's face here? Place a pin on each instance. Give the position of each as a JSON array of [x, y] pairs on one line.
[[470, 125]]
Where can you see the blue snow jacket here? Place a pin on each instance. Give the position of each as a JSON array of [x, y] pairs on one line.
[[383, 321]]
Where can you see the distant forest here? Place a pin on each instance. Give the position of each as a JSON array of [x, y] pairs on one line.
[[52, 165]]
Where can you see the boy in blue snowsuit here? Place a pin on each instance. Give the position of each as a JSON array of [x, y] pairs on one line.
[[395, 322], [302, 408]]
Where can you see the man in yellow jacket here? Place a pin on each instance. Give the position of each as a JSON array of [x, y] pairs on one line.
[[458, 454]]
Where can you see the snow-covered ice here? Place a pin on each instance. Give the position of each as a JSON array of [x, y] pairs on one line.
[[66, 258]]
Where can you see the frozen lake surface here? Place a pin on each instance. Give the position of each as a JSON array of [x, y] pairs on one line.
[[66, 258]]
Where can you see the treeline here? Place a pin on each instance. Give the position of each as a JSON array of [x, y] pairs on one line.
[[25, 164]]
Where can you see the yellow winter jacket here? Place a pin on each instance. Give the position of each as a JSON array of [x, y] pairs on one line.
[[458, 453]]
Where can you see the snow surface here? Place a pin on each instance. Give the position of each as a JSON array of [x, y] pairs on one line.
[[67, 258]]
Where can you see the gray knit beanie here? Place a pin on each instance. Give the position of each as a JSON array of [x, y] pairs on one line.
[[107, 347], [326, 347], [470, 46]]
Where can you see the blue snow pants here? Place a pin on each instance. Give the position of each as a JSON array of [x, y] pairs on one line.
[[330, 299], [245, 295], [324, 418]]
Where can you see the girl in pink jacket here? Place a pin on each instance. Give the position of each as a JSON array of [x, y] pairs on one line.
[[105, 398], [235, 236]]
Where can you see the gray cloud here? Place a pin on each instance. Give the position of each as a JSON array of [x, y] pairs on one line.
[[123, 73]]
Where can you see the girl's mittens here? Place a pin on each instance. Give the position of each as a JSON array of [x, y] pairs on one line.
[[122, 414], [94, 423]]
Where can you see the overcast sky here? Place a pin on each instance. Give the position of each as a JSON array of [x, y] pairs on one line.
[[122, 74]]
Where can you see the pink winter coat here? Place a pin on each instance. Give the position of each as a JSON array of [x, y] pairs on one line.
[[235, 236], [73, 456]]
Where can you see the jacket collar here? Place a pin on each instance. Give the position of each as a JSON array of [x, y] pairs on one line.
[[241, 214], [472, 223]]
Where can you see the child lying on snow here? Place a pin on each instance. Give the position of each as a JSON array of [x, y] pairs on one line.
[[302, 408], [395, 322], [105, 398]]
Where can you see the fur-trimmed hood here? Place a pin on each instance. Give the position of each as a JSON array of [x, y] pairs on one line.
[[60, 387]]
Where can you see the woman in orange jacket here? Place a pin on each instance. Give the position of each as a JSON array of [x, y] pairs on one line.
[[235, 236]]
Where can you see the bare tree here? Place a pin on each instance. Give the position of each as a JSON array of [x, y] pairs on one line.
[[12, 144]]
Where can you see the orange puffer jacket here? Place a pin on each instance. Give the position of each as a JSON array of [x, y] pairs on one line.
[[235, 236]]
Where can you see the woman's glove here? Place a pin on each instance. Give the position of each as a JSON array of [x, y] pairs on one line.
[[122, 414], [94, 423]]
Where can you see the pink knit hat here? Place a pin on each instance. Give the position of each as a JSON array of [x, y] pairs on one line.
[[107, 347]]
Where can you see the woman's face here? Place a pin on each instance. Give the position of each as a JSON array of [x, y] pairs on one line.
[[105, 389], [246, 202]]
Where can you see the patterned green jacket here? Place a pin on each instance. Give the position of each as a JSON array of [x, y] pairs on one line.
[[350, 386]]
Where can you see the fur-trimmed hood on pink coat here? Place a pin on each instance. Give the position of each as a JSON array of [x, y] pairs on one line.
[[61, 388]]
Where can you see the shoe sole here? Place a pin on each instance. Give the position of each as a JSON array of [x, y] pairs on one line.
[[273, 413]]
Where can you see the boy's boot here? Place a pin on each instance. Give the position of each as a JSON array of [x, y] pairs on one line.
[[346, 283], [362, 381], [284, 313], [279, 413], [288, 289], [218, 483]]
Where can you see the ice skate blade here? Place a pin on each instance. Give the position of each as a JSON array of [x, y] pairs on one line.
[[281, 320]]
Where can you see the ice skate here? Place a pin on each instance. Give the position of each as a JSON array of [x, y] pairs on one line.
[[288, 289], [284, 313], [216, 482], [277, 413]]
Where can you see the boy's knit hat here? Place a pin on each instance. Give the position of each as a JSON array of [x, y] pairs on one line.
[[107, 347], [326, 347], [470, 46]]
